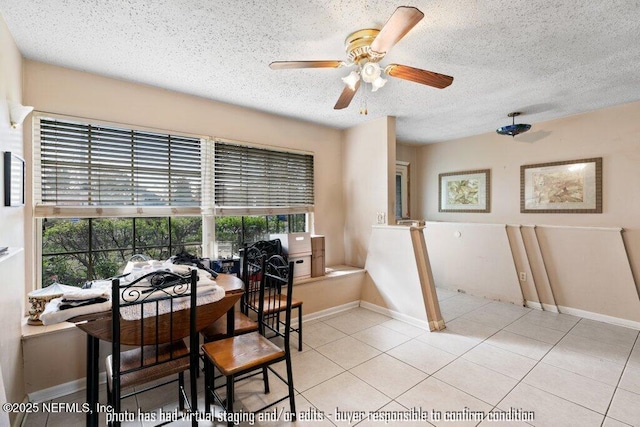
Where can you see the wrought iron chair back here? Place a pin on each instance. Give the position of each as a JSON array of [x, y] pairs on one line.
[[269, 247], [158, 300], [251, 301], [251, 274], [277, 276]]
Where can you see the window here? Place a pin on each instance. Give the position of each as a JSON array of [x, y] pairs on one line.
[[105, 193], [83, 165], [247, 179], [249, 182], [233, 231], [81, 249]]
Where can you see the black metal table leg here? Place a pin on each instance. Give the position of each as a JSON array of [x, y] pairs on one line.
[[231, 321], [93, 354]]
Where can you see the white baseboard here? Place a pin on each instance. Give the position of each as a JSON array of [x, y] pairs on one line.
[[533, 304], [422, 324], [328, 312], [550, 307], [600, 317], [62, 389]]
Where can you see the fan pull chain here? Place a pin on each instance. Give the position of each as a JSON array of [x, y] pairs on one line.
[[363, 102]]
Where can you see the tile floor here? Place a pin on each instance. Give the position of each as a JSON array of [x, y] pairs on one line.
[[493, 357]]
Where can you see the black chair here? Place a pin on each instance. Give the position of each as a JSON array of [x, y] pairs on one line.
[[268, 249], [158, 321], [249, 273], [251, 270], [253, 353]]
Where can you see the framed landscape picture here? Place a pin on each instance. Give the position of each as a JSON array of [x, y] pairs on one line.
[[573, 186], [466, 191]]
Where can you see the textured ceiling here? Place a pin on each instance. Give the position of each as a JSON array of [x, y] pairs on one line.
[[548, 59]]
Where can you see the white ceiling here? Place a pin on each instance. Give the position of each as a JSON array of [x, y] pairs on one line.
[[546, 58]]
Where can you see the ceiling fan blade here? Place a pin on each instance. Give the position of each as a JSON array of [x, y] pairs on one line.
[[285, 65], [398, 25], [346, 96], [417, 75]]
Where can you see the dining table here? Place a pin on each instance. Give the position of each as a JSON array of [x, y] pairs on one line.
[[98, 326]]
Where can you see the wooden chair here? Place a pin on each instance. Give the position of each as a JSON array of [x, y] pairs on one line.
[[155, 306], [253, 353], [269, 248], [250, 268]]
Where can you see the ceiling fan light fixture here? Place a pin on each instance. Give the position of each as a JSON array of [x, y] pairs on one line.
[[351, 80], [377, 84], [513, 129], [370, 72]]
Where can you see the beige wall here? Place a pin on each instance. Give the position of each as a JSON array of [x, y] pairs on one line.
[[343, 290], [610, 133], [62, 348], [65, 91], [11, 232], [397, 283], [588, 271], [12, 269], [488, 268], [369, 173]]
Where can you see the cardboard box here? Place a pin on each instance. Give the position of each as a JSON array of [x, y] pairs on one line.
[[317, 256]]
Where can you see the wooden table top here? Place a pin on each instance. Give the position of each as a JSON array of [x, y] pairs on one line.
[[99, 325]]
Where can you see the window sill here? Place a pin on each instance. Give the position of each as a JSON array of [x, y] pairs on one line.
[[34, 331], [333, 272]]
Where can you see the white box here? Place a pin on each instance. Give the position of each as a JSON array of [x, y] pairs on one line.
[[294, 244], [301, 266]]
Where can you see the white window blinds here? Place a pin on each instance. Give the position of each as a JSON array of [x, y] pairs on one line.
[[107, 170], [250, 180]]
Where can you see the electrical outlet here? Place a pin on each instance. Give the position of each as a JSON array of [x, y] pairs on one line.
[[381, 217], [523, 276]]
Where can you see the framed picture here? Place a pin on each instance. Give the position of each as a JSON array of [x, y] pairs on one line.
[[467, 191], [14, 173], [573, 186]]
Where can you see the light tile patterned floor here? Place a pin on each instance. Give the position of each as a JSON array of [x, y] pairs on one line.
[[492, 358]]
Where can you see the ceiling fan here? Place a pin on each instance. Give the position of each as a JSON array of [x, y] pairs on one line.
[[365, 48]]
